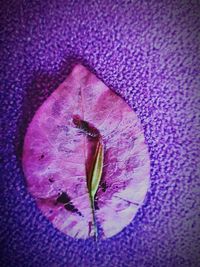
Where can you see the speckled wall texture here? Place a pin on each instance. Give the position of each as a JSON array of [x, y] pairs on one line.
[[147, 52]]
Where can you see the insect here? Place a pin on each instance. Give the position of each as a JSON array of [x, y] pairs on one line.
[[85, 127], [95, 166]]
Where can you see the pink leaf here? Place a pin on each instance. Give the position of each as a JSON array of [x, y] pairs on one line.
[[60, 150]]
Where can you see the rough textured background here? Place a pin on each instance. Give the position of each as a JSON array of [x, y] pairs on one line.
[[146, 51]]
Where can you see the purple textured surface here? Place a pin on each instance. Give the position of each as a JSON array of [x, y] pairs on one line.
[[146, 51]]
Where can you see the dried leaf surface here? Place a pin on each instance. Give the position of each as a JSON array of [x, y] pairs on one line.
[[85, 158]]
